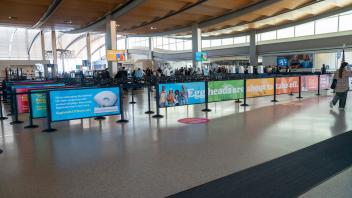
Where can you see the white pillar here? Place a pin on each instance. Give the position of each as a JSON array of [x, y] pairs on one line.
[[126, 48], [42, 43], [89, 52], [253, 57], [53, 44], [27, 45], [150, 52], [196, 42], [110, 44]]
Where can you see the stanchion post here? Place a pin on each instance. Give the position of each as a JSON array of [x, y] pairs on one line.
[[48, 110], [15, 112], [149, 106], [132, 93], [245, 93], [30, 117], [12, 106], [122, 120], [274, 99], [206, 96], [318, 94], [300, 87], [1, 113], [157, 98]]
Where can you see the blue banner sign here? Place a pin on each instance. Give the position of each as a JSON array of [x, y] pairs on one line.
[[178, 94], [84, 103]]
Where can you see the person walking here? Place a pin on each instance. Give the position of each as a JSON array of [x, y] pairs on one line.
[[341, 76]]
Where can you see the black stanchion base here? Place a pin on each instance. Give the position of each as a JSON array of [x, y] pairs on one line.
[[158, 116], [1, 151], [238, 101], [274, 101], [4, 118], [49, 130], [299, 97], [317, 94], [16, 122], [206, 110], [132, 102], [31, 126], [149, 112], [100, 118], [244, 105], [122, 121]]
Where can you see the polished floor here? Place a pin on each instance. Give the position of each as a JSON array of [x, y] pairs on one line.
[[147, 157]]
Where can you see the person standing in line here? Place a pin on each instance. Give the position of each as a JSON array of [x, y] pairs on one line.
[[341, 76]]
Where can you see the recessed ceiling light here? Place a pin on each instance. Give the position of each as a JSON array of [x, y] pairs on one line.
[[68, 22], [117, 25], [153, 28], [12, 18]]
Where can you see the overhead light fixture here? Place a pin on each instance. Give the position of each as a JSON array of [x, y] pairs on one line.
[[68, 22], [117, 25], [12, 18], [153, 28]]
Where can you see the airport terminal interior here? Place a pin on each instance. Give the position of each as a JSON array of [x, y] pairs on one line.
[[175, 98]]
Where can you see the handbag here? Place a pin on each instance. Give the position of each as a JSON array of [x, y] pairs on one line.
[[333, 84]]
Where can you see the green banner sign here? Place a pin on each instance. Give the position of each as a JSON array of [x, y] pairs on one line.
[[38, 107], [225, 90]]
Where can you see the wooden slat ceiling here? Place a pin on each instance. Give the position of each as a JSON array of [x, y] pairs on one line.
[[154, 16], [26, 12]]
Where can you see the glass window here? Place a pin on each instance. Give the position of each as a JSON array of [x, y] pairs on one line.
[[179, 46], [304, 29], [205, 44], [227, 41], [345, 22], [215, 42], [172, 47], [188, 45], [240, 40], [172, 40], [286, 33], [159, 41], [120, 44], [268, 36], [326, 25]]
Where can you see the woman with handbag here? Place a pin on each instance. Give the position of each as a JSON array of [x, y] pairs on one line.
[[341, 85]]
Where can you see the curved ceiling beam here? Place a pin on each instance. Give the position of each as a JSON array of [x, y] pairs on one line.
[[290, 24], [111, 15], [75, 40], [11, 41], [32, 42], [236, 14], [169, 15], [91, 42], [220, 19], [51, 10], [96, 50]]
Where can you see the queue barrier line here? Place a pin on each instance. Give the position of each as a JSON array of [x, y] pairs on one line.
[[158, 115]]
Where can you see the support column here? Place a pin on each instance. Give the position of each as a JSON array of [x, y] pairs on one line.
[[150, 52], [196, 43], [126, 48], [42, 43], [253, 57], [89, 52], [27, 45], [110, 44], [53, 44]]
